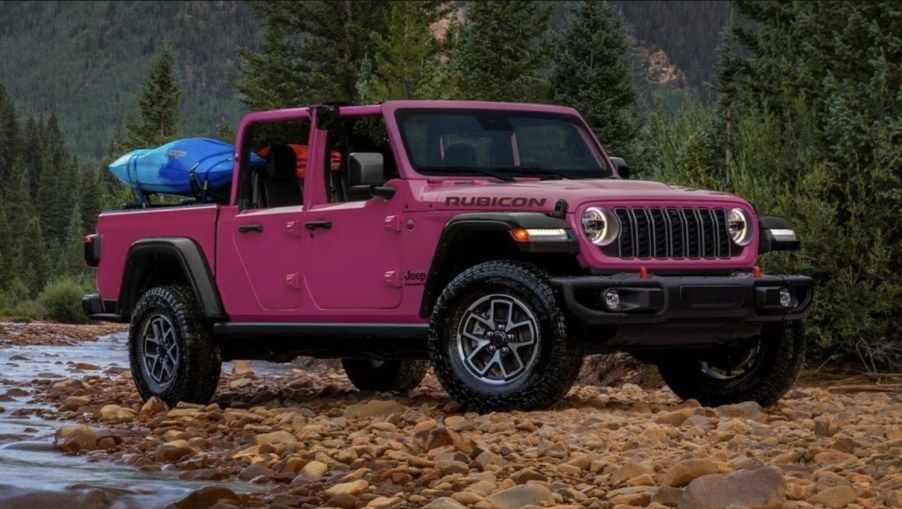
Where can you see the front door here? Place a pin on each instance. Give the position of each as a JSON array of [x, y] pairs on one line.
[[353, 255]]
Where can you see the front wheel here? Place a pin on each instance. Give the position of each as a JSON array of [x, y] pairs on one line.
[[498, 340], [760, 369], [171, 349]]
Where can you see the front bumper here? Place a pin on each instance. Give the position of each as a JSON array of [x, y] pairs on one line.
[[657, 299]]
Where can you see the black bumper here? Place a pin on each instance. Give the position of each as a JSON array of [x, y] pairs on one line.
[[740, 297], [98, 309]]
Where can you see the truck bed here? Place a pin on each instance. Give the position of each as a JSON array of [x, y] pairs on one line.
[[120, 229]]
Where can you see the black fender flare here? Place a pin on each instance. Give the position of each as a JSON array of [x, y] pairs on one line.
[[190, 257], [461, 225]]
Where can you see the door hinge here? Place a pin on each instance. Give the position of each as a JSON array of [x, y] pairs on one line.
[[294, 228], [393, 278], [293, 281], [393, 223]]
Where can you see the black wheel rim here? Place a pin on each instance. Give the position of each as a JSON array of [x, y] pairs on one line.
[[161, 349], [497, 339], [732, 363]]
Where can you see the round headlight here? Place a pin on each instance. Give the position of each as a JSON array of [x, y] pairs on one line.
[[740, 227], [600, 226]]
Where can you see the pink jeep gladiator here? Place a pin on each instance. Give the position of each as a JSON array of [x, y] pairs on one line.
[[496, 242]]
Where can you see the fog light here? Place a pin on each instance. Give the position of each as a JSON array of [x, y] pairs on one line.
[[611, 299], [785, 297]]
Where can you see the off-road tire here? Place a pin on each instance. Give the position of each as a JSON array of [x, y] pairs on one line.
[[196, 373], [553, 368], [780, 356], [384, 376]]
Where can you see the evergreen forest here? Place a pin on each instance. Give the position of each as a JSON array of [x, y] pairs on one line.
[[796, 106]]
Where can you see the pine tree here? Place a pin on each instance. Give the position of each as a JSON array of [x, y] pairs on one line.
[[405, 62], [7, 251], [591, 74], [72, 259], [90, 201], [27, 260], [55, 193], [311, 52], [10, 141], [501, 50], [158, 118], [34, 153]]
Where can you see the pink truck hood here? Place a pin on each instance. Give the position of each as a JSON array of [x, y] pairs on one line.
[[482, 194]]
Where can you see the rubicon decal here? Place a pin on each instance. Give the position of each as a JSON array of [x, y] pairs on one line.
[[494, 201]]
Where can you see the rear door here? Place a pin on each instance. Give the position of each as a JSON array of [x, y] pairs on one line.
[[261, 240]]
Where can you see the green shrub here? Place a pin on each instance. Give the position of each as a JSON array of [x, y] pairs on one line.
[[62, 300]]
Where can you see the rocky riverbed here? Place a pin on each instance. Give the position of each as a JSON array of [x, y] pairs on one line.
[[300, 435]]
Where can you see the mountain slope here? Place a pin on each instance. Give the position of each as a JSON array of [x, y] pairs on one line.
[[86, 61]]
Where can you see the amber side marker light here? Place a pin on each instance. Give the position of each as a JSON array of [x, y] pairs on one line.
[[538, 234]]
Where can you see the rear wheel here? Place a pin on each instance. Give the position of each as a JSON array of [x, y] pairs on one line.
[[498, 340], [385, 375], [761, 369], [171, 349]]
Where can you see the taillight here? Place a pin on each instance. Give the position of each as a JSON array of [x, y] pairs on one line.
[[92, 250]]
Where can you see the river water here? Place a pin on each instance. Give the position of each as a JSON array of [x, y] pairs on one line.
[[29, 466]]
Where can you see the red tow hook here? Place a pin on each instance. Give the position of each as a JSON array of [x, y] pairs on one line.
[[643, 273]]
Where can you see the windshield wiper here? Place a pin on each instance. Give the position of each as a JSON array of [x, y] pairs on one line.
[[481, 171], [545, 174]]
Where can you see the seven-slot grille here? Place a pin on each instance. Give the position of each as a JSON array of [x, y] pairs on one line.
[[671, 232]]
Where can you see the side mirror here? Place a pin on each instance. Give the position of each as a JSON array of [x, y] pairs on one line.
[[366, 170], [623, 169]]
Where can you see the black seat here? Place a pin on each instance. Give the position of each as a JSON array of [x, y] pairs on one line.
[[280, 185]]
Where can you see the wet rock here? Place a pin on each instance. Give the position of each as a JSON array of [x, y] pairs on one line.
[[748, 410], [667, 495], [204, 498], [452, 467], [75, 439], [315, 470], [444, 503], [633, 496], [373, 408], [349, 488], [433, 438], [684, 472], [835, 497], [629, 471], [256, 473], [828, 458], [764, 488], [527, 474], [520, 496], [153, 406], [342, 501], [116, 413], [172, 452], [276, 438], [675, 417], [487, 458], [242, 368]]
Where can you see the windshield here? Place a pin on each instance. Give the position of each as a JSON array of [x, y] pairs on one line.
[[501, 144]]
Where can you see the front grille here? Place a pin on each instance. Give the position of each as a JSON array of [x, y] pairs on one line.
[[665, 233]]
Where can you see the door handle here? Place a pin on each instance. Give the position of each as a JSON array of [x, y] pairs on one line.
[[314, 225], [246, 228]]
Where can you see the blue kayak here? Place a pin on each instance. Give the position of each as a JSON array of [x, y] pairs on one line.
[[168, 169]]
